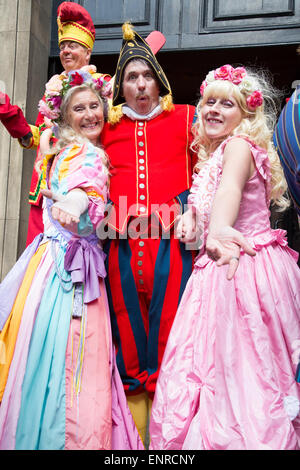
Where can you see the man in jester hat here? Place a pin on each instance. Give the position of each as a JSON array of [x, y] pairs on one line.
[[147, 140]]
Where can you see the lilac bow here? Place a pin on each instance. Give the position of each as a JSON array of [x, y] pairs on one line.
[[85, 261]]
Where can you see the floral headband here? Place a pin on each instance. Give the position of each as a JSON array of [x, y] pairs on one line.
[[238, 76], [58, 86]]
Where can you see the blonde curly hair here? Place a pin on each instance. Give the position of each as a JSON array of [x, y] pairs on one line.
[[257, 124]]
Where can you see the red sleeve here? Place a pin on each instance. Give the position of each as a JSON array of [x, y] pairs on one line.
[[12, 118]]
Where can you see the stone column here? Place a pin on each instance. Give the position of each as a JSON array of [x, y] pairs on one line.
[[25, 27]]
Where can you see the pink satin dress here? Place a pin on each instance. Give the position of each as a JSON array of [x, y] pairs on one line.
[[227, 378]]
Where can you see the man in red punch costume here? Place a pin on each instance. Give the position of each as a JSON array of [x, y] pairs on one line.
[[148, 142]]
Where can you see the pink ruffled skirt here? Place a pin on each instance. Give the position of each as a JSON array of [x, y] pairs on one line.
[[227, 380]]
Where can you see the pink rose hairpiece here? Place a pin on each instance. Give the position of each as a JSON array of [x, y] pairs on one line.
[[59, 85], [238, 76]]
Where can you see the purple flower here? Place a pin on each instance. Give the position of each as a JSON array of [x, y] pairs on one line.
[[56, 101]]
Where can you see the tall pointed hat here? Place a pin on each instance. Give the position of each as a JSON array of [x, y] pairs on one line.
[[135, 47]]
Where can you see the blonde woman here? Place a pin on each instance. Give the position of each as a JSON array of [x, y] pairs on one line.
[[227, 378]]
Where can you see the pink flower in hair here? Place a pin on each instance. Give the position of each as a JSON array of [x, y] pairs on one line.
[[239, 77], [224, 73], [203, 86], [54, 86], [238, 74], [47, 111], [107, 90], [103, 87], [255, 100], [55, 101], [99, 82]]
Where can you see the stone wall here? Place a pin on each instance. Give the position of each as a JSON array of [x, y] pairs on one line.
[[25, 27]]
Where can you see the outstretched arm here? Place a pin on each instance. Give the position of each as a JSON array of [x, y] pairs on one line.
[[224, 242], [13, 119], [68, 209]]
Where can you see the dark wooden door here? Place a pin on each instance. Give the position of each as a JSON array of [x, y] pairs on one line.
[[193, 24]]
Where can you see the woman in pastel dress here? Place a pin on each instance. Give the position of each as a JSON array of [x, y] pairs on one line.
[[59, 386], [227, 380]]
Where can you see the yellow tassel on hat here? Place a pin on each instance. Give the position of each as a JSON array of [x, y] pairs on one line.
[[167, 102], [114, 114], [128, 31]]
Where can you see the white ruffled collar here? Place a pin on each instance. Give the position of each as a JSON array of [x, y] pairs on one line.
[[141, 117]]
